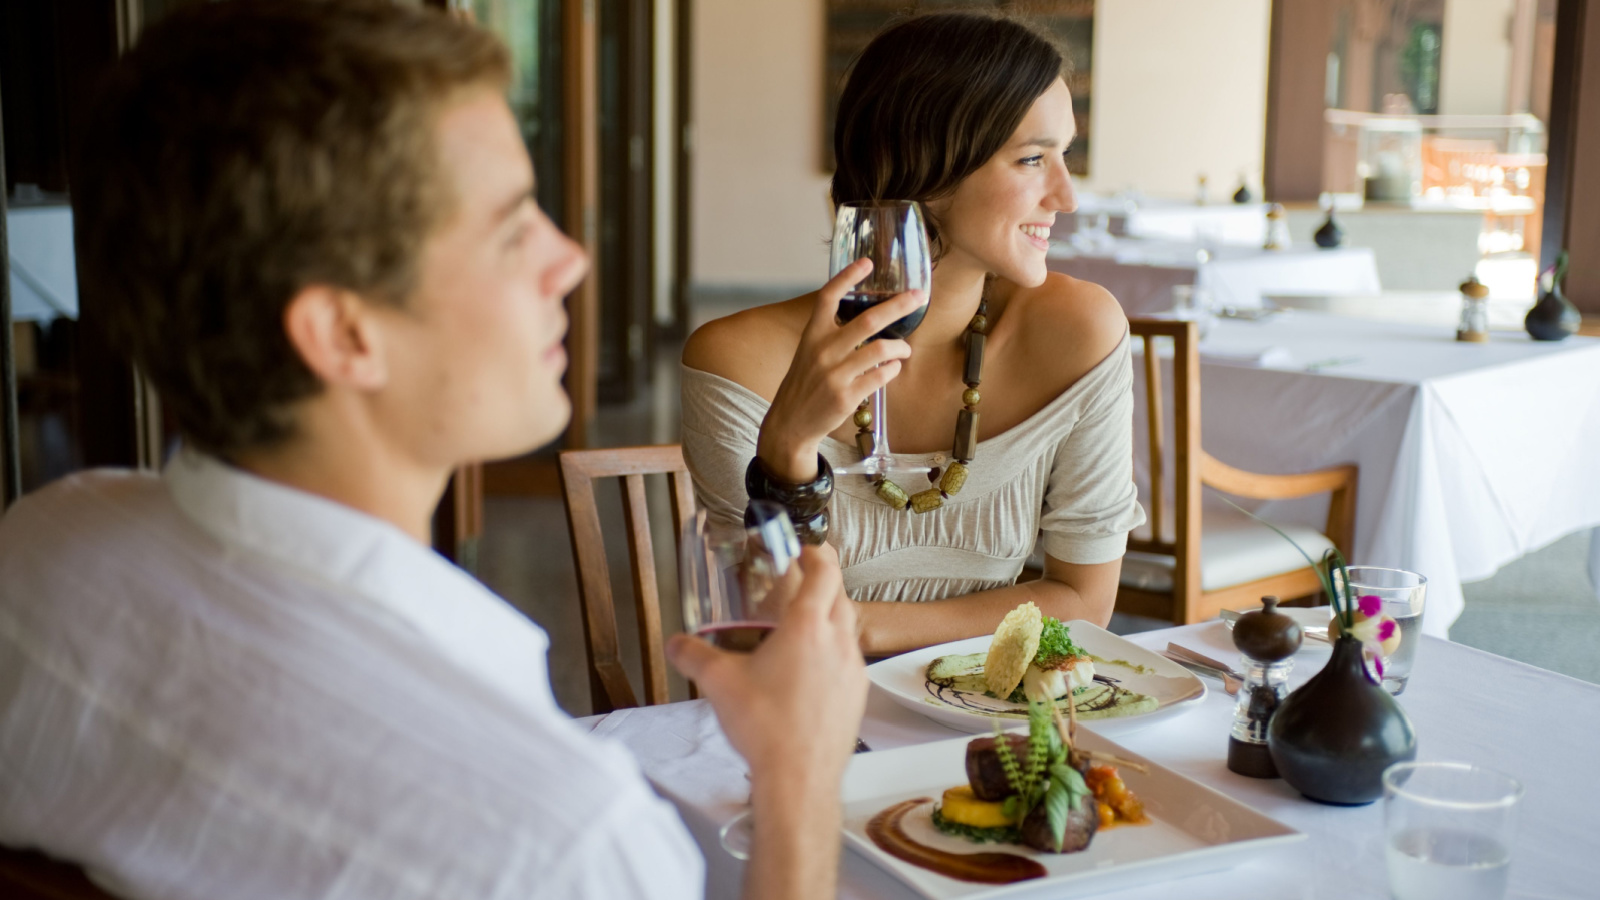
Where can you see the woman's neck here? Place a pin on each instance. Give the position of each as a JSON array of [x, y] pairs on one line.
[[957, 290]]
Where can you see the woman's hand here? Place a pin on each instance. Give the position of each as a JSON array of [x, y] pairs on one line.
[[833, 370]]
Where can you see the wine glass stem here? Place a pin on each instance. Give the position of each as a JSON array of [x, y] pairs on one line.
[[880, 424]]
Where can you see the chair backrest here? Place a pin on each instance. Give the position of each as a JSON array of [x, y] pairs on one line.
[[1183, 450], [608, 680], [25, 875]]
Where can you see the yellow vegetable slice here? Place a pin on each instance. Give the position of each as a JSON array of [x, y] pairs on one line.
[[1015, 643], [960, 805]]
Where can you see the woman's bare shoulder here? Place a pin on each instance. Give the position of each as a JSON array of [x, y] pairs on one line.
[[1066, 326], [752, 347]]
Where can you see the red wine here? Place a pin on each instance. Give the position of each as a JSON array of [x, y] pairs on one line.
[[741, 637], [857, 302]]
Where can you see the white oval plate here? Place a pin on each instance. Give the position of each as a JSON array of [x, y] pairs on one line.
[[1175, 689]]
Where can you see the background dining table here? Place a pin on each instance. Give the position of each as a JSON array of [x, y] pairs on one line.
[[1466, 705], [1141, 273], [1470, 455]]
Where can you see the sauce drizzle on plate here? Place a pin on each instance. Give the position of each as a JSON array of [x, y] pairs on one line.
[[984, 868]]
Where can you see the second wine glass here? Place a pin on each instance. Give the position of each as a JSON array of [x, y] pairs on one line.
[[891, 233]]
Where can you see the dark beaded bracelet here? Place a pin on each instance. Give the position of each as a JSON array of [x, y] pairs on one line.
[[803, 501], [810, 531]]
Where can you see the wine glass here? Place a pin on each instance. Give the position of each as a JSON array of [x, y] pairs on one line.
[[891, 234], [736, 578]]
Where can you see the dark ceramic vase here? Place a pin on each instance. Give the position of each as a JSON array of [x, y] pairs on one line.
[[1332, 738], [1330, 235], [1243, 195], [1553, 318]]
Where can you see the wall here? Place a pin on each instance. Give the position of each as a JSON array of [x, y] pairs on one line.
[[1476, 57], [1180, 88], [760, 198]]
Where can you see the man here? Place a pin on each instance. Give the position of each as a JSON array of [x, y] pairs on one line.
[[249, 677]]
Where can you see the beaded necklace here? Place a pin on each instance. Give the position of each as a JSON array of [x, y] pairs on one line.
[[954, 476]]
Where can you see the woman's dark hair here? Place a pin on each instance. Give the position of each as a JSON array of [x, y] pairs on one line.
[[931, 99]]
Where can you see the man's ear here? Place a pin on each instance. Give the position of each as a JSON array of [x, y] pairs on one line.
[[337, 336]]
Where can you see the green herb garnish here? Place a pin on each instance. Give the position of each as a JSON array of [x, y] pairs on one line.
[[1055, 644], [1048, 777]]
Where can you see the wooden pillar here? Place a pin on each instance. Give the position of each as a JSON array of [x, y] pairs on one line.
[[1575, 151], [581, 131], [1301, 32]]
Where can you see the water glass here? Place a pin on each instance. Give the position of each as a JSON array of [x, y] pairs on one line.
[[1402, 594], [1192, 303], [1448, 829]]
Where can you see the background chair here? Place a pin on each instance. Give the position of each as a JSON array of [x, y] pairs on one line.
[[1214, 559], [608, 680], [25, 875]]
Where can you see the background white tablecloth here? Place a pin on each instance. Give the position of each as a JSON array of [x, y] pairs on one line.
[[1222, 222], [1471, 455], [1466, 705], [1142, 273]]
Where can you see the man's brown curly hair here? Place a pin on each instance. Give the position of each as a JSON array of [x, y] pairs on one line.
[[243, 151]]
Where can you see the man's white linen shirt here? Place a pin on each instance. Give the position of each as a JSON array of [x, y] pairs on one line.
[[212, 685]]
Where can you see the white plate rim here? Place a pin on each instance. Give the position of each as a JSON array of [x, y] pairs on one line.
[[902, 678]]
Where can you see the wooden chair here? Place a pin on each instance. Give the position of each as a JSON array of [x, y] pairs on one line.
[[608, 681], [1216, 560], [26, 875]]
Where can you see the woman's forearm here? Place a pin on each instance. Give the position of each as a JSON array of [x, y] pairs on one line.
[[889, 628]]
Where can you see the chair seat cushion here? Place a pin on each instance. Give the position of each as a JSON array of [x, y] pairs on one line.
[[1234, 549]]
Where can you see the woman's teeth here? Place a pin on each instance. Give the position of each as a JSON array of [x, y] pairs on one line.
[[1042, 232]]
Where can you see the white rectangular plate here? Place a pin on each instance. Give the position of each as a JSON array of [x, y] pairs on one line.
[[1175, 689], [1195, 829]]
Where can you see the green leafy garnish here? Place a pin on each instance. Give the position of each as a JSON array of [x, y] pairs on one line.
[[1047, 778], [1055, 643]]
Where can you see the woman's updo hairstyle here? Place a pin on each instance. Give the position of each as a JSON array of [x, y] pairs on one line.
[[930, 100]]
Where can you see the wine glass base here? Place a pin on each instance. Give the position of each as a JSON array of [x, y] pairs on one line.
[[886, 467]]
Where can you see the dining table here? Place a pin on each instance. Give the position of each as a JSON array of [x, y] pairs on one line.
[[1141, 273], [1466, 705], [1470, 455]]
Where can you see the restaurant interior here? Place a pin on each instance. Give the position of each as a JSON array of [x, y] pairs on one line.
[[1370, 229]]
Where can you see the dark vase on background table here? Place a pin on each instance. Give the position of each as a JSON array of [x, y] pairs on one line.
[[1332, 738], [1553, 318], [1330, 235]]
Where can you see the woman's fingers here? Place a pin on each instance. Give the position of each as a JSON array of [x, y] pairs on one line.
[[828, 297], [882, 316]]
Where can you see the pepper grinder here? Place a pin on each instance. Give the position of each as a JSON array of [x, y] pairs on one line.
[[1268, 640]]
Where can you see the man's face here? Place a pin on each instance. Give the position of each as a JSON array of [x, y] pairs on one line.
[[475, 357]]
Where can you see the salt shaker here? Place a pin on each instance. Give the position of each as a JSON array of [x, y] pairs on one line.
[[1268, 640], [1474, 327]]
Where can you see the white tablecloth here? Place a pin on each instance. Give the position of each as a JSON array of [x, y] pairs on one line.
[[1466, 705], [1223, 222], [1141, 273], [1471, 455]]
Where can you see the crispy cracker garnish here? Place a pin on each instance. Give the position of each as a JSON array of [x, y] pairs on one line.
[[1014, 645]]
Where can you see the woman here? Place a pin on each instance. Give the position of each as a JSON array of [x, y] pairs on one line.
[[968, 114]]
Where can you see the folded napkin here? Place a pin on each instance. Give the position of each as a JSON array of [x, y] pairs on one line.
[[1262, 357]]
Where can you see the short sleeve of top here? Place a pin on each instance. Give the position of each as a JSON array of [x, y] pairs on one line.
[[1062, 478]]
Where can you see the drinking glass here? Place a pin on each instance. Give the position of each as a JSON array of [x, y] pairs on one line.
[[891, 234], [1403, 594], [1447, 830], [1192, 303], [735, 576]]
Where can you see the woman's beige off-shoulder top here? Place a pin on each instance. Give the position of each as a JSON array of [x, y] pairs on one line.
[[1063, 477]]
